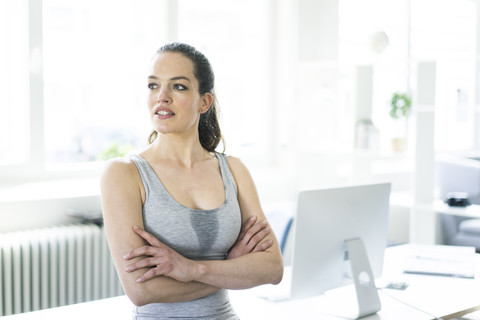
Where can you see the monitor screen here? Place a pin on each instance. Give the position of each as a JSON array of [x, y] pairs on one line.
[[325, 220]]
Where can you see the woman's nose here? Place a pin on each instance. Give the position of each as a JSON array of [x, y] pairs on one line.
[[163, 96]]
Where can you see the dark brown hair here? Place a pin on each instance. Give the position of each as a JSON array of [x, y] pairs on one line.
[[208, 126]]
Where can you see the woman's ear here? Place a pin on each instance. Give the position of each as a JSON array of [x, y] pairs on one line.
[[207, 100]]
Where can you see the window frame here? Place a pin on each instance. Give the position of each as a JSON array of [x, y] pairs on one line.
[[34, 164], [36, 167]]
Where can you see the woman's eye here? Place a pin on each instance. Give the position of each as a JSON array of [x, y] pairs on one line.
[[180, 87], [152, 86]]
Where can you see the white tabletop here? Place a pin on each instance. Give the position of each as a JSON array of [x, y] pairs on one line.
[[435, 295], [426, 297], [471, 211]]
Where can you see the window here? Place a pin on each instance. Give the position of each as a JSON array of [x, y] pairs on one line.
[[443, 32], [447, 35], [95, 62], [93, 59], [92, 56], [236, 38], [373, 33], [14, 77]]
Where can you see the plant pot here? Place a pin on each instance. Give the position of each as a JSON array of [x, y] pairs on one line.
[[399, 144]]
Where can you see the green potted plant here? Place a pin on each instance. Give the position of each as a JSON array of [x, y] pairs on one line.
[[400, 110], [114, 149], [400, 105]]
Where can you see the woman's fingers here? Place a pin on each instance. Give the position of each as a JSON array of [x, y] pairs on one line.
[[263, 246], [144, 263], [147, 236], [257, 232], [160, 260], [246, 226], [248, 241], [152, 273], [144, 251], [258, 236]]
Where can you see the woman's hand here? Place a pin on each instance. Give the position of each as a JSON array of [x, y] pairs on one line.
[[161, 259], [250, 238]]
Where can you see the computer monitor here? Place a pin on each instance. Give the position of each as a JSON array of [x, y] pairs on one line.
[[327, 222]]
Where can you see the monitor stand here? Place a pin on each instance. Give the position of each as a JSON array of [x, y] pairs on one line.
[[363, 301], [368, 301]]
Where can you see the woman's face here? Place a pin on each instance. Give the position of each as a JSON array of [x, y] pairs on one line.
[[174, 101]]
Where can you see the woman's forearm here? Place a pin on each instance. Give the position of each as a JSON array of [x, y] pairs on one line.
[[165, 290], [244, 272], [122, 209], [157, 259]]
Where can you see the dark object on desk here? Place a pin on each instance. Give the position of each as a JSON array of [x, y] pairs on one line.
[[397, 285], [458, 199], [459, 173], [87, 217]]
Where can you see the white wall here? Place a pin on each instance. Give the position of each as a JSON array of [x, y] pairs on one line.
[[41, 204], [306, 43]]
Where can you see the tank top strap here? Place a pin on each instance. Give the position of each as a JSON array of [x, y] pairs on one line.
[[147, 175], [228, 180], [150, 179]]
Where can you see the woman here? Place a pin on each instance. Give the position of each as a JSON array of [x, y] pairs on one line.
[[173, 213]]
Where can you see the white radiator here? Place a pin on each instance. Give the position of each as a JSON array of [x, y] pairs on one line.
[[50, 267]]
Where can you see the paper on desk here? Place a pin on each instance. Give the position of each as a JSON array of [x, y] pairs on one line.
[[441, 260]]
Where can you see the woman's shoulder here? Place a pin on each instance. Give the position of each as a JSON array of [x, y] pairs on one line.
[[119, 163], [122, 168], [232, 160], [237, 167]]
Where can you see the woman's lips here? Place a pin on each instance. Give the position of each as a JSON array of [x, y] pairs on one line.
[[164, 113]]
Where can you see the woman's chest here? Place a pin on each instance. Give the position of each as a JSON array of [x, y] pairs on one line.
[[200, 188], [196, 234]]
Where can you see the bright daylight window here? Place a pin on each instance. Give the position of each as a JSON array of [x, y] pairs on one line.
[[440, 31], [362, 25], [96, 55], [14, 119], [236, 39], [447, 35], [96, 59]]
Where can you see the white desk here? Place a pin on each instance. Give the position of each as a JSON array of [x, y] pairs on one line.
[[441, 296], [445, 297], [471, 211]]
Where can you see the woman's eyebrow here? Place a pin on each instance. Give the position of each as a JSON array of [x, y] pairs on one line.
[[171, 79], [181, 78]]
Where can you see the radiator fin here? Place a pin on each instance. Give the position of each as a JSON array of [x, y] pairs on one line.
[[56, 266]]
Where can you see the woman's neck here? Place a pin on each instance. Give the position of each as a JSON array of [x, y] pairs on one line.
[[175, 149]]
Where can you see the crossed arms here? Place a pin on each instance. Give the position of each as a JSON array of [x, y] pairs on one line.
[[152, 272]]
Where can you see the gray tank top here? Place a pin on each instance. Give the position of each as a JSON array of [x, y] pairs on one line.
[[195, 234]]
